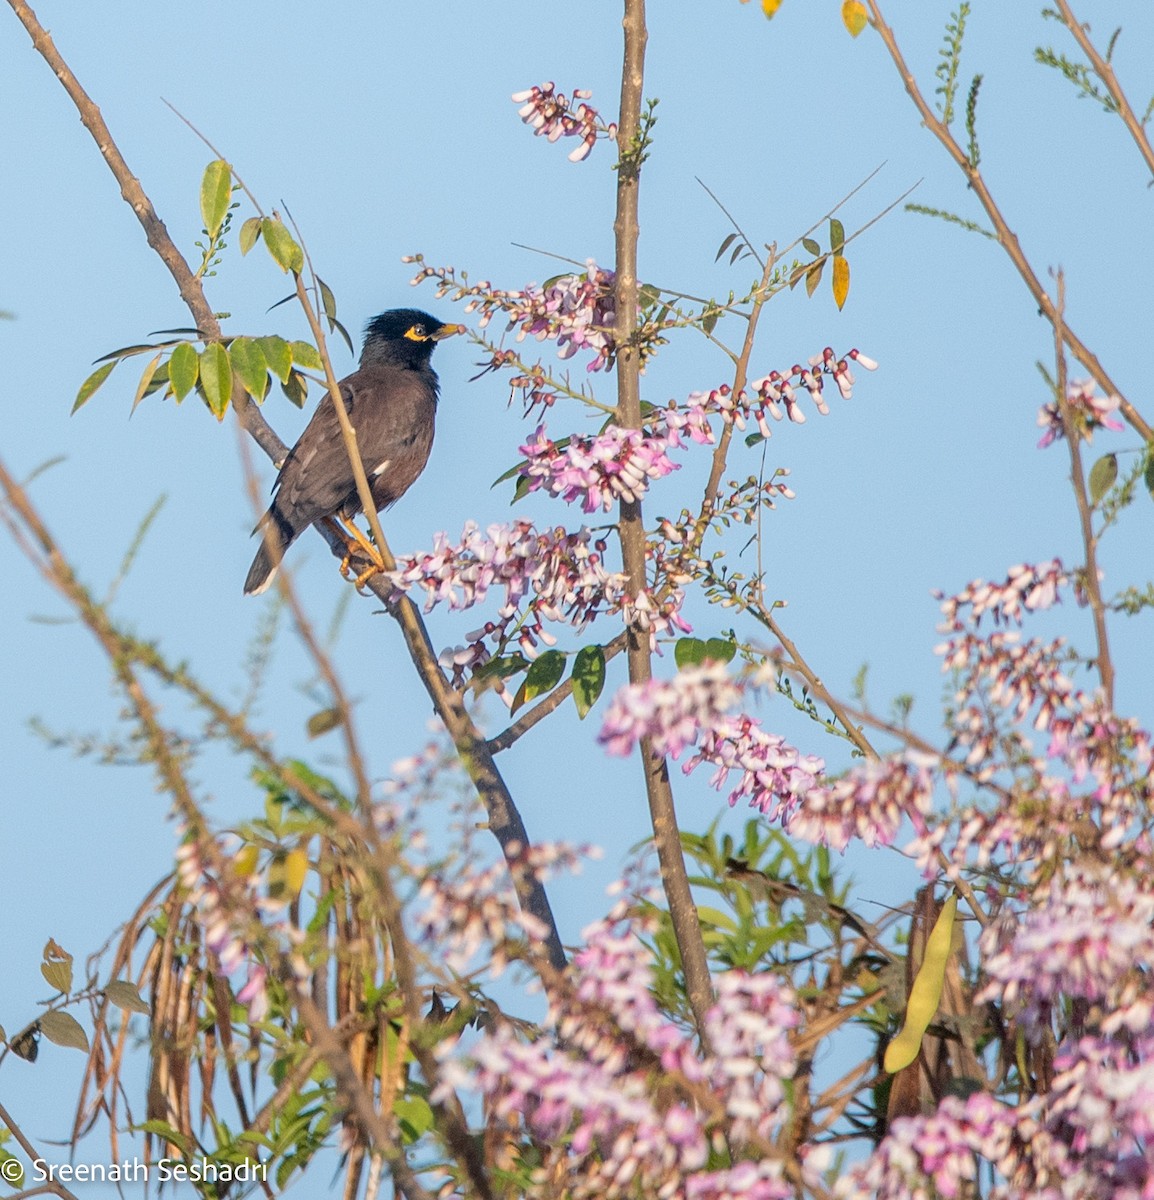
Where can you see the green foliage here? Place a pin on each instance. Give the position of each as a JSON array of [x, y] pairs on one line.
[[950, 57], [695, 652], [543, 676], [972, 151], [1081, 75], [588, 678], [813, 270], [1102, 476], [953, 218], [216, 211], [765, 904], [632, 157]]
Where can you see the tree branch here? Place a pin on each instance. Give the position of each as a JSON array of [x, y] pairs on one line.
[[626, 228], [1006, 236], [504, 819]]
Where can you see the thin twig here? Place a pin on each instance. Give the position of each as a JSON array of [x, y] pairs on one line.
[[1105, 73], [1006, 236], [1091, 581]]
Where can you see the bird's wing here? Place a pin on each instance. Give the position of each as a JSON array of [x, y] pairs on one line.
[[392, 410]]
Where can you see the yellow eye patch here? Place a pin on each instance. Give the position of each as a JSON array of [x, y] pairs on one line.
[[416, 333]]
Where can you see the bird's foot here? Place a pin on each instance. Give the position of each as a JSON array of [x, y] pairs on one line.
[[363, 571], [359, 548]]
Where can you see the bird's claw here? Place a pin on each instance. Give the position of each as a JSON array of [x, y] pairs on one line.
[[364, 574]]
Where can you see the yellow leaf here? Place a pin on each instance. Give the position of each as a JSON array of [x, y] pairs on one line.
[[926, 993], [296, 867], [840, 280], [770, 7], [854, 16], [245, 861]]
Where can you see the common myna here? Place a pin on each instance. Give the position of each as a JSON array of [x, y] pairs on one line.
[[392, 404]]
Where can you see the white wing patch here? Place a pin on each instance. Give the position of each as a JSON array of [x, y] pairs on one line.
[[381, 469]]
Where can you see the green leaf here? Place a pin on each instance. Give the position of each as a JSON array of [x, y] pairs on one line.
[[145, 380], [926, 993], [415, 1116], [90, 386], [305, 355], [321, 722], [716, 918], [720, 650], [296, 388], [689, 652], [1102, 476], [183, 369], [216, 378], [11, 1170], [124, 994], [729, 240], [588, 678], [836, 235], [811, 246], [1148, 475], [543, 676], [278, 355], [709, 320], [282, 245], [813, 276], [328, 300], [249, 363], [58, 975], [249, 234], [501, 667], [64, 1030], [215, 195]]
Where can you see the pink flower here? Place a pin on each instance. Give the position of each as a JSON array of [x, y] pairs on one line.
[[671, 712], [617, 464], [1090, 411], [551, 116]]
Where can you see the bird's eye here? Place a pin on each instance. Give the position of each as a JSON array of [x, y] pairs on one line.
[[416, 333]]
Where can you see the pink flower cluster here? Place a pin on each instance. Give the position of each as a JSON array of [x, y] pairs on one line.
[[772, 775], [1090, 411], [575, 311], [223, 927], [1027, 588], [548, 575], [599, 471], [869, 803], [1089, 937], [551, 116], [470, 919], [1090, 1136], [619, 1096], [774, 395], [939, 1155], [672, 712], [689, 710]]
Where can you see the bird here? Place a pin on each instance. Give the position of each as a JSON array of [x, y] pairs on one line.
[[392, 403]]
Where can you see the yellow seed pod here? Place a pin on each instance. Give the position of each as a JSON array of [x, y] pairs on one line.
[[926, 993]]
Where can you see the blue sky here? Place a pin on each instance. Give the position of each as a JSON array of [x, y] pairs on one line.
[[388, 129]]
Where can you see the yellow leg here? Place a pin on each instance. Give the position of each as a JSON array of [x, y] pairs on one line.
[[357, 546]]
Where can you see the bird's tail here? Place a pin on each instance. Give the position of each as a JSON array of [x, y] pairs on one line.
[[276, 534]]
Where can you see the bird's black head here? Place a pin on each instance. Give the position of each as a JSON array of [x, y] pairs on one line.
[[404, 335]]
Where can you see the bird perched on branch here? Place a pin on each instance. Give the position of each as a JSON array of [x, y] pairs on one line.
[[392, 405]]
